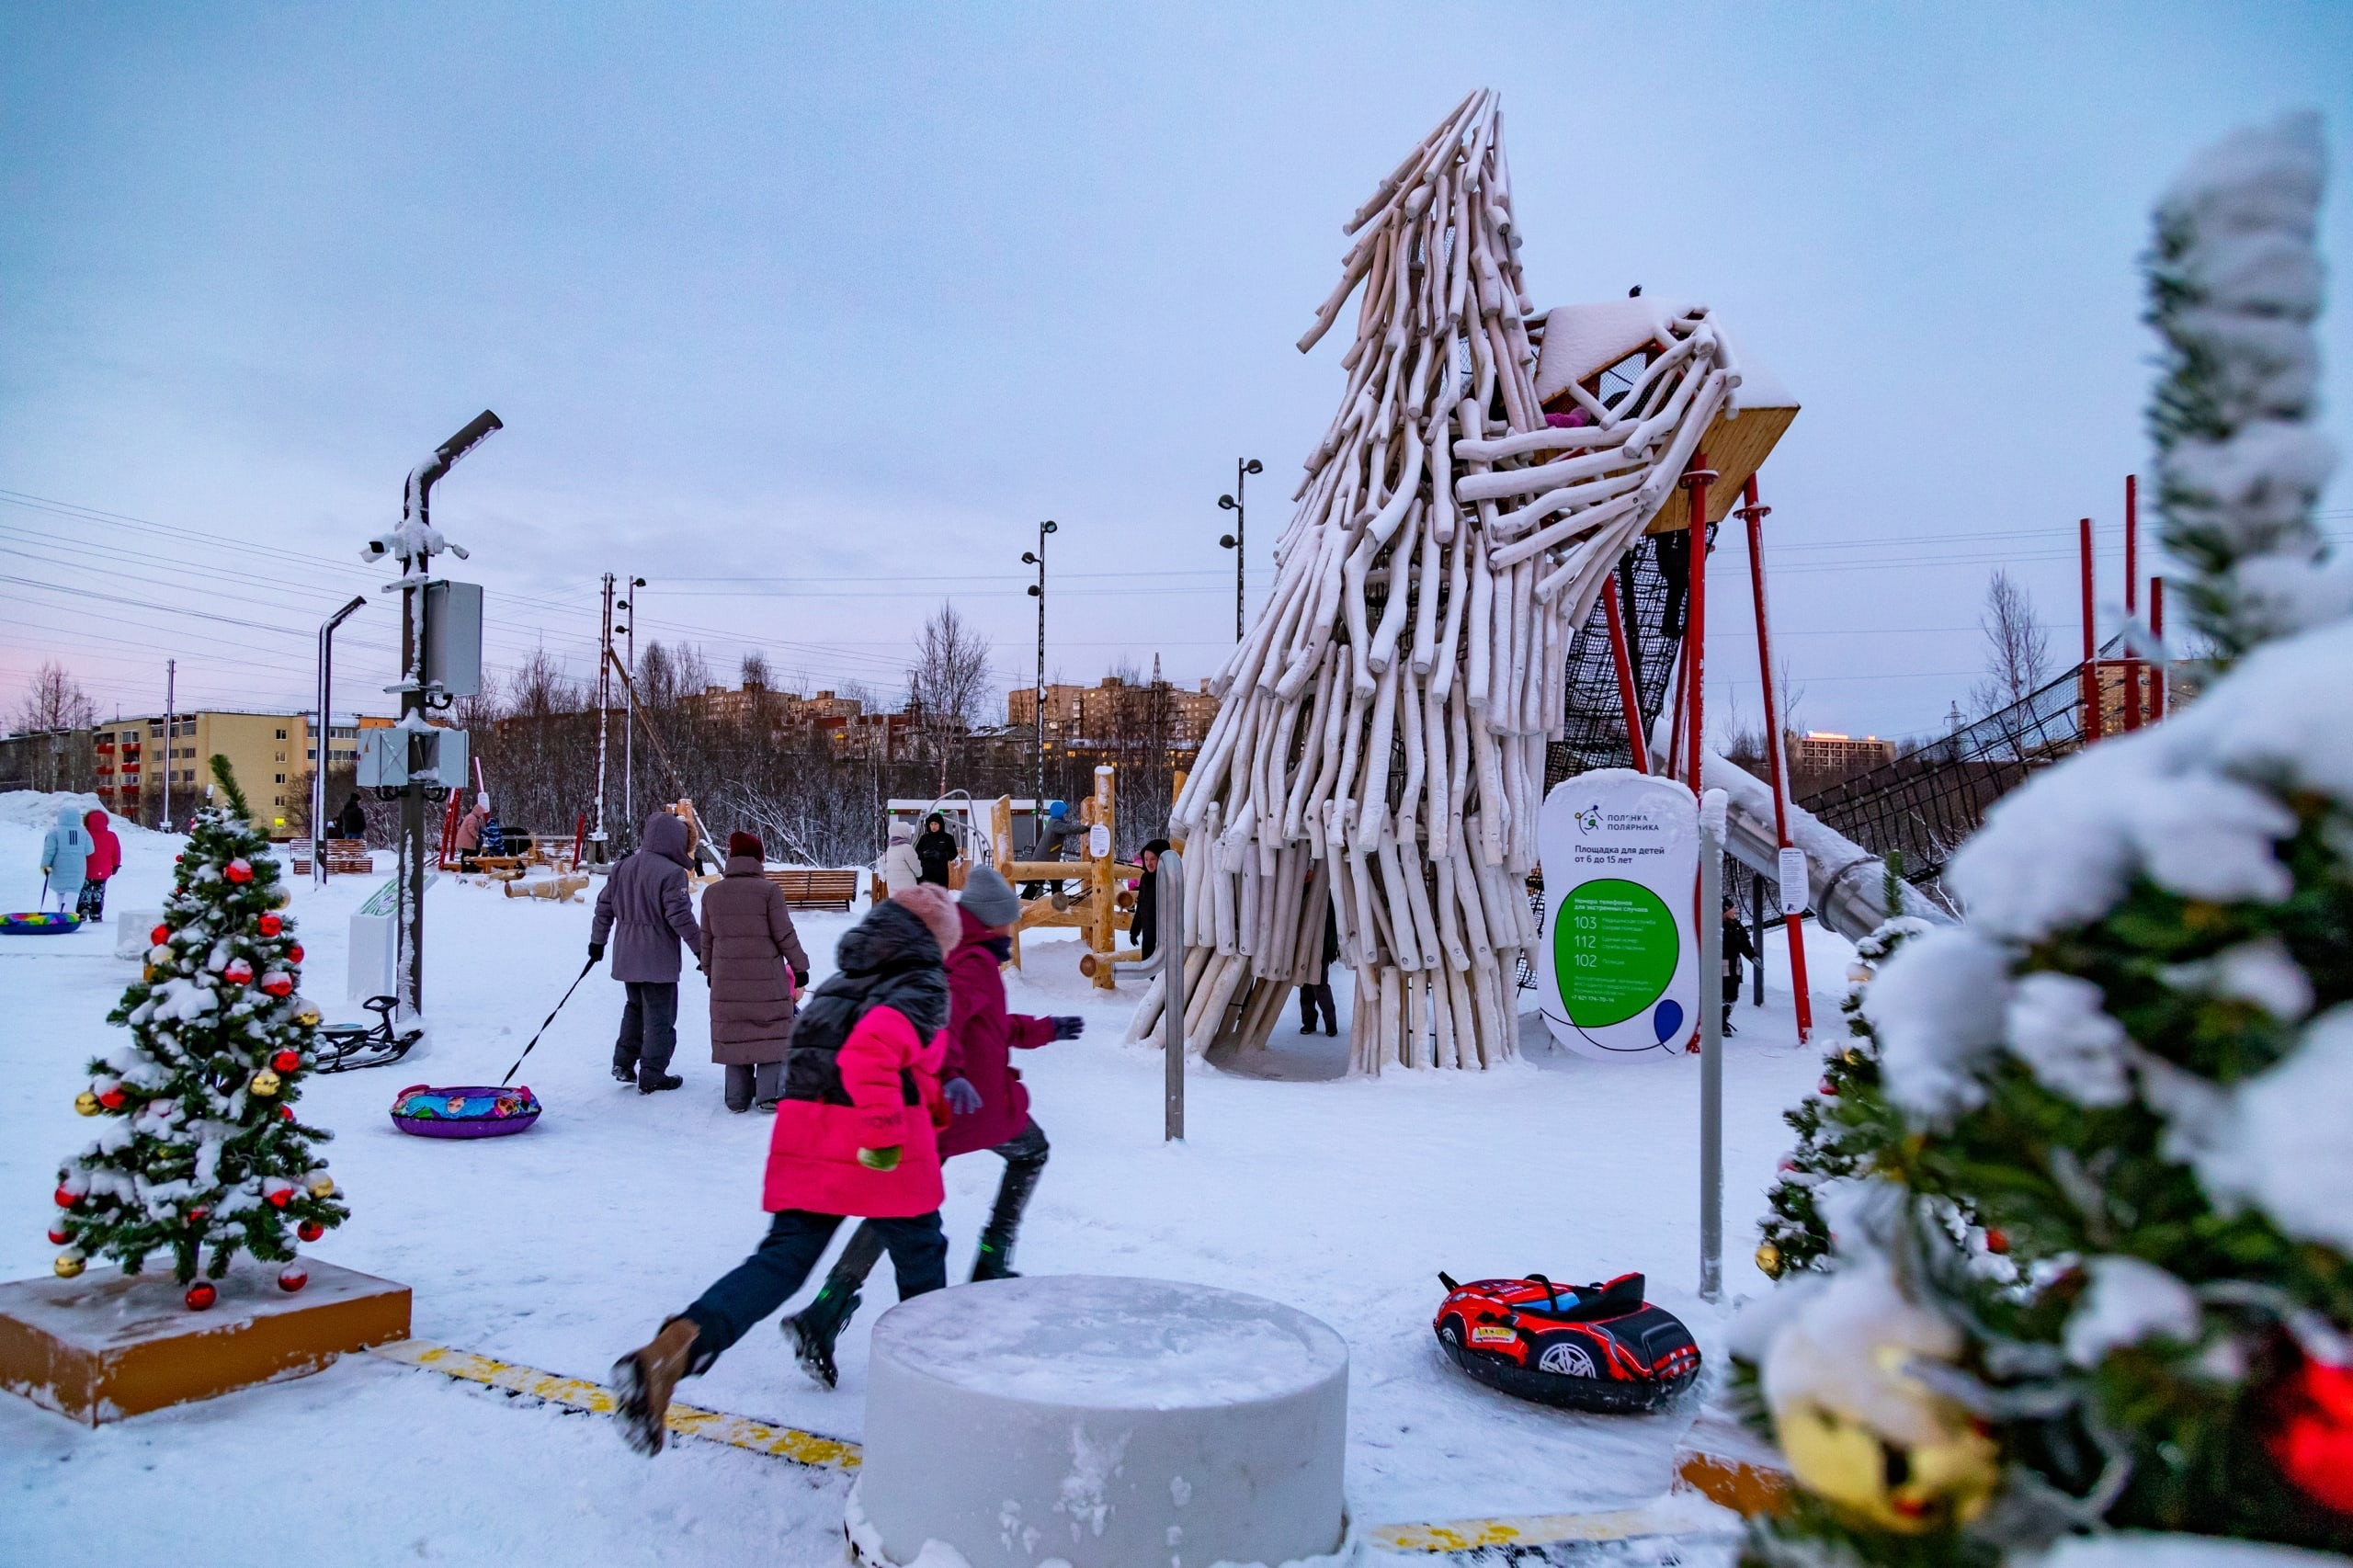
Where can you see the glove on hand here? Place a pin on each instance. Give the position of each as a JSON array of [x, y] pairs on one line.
[[1069, 1026], [595, 952], [961, 1097], [880, 1159]]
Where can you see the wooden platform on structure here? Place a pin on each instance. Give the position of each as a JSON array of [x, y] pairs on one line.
[[110, 1345], [805, 887]]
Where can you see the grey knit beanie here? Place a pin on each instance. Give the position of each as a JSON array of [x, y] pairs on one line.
[[990, 897]]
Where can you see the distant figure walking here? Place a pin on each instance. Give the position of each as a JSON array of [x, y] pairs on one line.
[[64, 852], [106, 860], [1317, 992], [645, 909], [1144, 925], [901, 870], [755, 963], [352, 820], [936, 850]]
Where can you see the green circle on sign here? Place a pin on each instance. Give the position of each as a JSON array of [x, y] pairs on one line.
[[1614, 948]]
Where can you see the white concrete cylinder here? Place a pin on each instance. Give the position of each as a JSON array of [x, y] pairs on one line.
[[1102, 1422]]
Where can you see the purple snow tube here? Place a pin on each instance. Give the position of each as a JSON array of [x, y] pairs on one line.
[[39, 923], [470, 1110]]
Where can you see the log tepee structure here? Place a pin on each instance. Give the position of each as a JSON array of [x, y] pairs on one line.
[[1381, 732]]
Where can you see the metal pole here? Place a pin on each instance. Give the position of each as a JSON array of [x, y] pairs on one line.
[[2157, 630], [1168, 904], [2091, 646], [1695, 624], [1037, 591], [171, 729], [324, 738], [1754, 514], [629, 715], [1711, 1046], [1756, 937], [1238, 542], [604, 707], [1628, 701], [2131, 600]]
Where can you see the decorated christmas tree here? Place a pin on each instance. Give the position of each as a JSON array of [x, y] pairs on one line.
[[2135, 1059], [201, 1150]]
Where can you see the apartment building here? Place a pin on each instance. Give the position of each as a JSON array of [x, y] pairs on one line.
[[1822, 751], [1114, 710], [269, 753]]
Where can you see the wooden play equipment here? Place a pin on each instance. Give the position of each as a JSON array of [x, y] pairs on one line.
[[1100, 908], [1381, 736]]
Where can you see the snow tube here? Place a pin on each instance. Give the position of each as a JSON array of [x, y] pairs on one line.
[[32, 923], [1598, 1348], [470, 1110]]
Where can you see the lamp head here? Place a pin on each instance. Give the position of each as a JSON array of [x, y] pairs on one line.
[[1225, 503], [1254, 466], [1225, 541], [1047, 527], [1029, 558], [637, 582], [1033, 591]]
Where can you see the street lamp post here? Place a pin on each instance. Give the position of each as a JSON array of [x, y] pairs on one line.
[[322, 737], [1038, 592], [629, 717], [1235, 542]]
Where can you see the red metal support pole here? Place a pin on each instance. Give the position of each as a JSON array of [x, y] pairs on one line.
[[2131, 605], [1753, 514], [1695, 621], [2157, 630], [2091, 643], [1637, 746]]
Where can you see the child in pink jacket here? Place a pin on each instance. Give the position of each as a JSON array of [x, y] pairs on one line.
[[855, 1134]]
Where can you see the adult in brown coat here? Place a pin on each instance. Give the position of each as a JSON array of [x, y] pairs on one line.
[[756, 962]]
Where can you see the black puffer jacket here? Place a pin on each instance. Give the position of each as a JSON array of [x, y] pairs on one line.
[[888, 959]]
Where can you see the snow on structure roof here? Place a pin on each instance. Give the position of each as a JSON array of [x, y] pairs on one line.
[[1583, 340]]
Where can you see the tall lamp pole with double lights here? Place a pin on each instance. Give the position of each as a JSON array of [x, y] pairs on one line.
[[1243, 469], [629, 717], [1037, 591]]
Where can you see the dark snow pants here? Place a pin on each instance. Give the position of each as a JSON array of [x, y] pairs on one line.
[[1310, 997], [1024, 1154], [648, 1029], [93, 903], [761, 1084], [796, 1240]]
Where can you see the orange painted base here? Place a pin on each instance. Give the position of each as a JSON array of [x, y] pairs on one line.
[[106, 1345]]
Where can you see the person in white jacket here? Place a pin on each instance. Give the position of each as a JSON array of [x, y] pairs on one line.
[[901, 870]]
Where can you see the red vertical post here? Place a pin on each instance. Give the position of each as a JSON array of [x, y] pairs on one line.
[[2157, 630], [1629, 699], [2132, 604], [2091, 643], [1753, 514], [1695, 622]]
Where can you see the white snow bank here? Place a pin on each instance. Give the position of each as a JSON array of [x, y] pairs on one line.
[[2279, 1139], [38, 808]]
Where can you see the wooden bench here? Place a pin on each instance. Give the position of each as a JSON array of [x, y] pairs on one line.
[[807, 888], [348, 856]]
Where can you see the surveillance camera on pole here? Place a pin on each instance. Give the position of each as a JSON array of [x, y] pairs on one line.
[[441, 662]]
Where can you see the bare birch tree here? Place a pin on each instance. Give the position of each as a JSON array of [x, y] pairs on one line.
[[2018, 646], [946, 681]]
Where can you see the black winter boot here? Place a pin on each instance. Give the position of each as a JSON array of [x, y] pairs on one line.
[[818, 1325], [994, 1260]]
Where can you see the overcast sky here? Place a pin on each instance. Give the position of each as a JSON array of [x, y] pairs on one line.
[[809, 313]]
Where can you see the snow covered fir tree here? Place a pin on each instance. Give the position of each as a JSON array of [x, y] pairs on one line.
[[2135, 1059], [201, 1150]]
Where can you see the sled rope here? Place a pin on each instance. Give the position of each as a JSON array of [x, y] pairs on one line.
[[577, 1393], [576, 978]]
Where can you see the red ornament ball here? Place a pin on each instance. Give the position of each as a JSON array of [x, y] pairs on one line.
[[1996, 1242], [112, 1099], [286, 1060], [310, 1230], [1827, 1089], [271, 925], [65, 1198], [159, 936], [201, 1295], [294, 953], [58, 1236], [278, 985], [239, 871], [2313, 1445], [292, 1277], [239, 972], [281, 1198], [285, 1113], [198, 1212]]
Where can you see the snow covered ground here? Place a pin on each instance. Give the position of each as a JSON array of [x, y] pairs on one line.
[[564, 1246]]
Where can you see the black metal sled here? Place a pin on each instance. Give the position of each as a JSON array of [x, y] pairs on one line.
[[342, 1048]]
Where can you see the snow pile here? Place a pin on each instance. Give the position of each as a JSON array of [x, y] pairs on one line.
[[2130, 1300], [38, 808], [2239, 285]]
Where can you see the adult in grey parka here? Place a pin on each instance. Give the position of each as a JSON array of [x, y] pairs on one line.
[[646, 911], [754, 960], [64, 851]]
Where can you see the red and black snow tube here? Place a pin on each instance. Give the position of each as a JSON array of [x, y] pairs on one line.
[[1598, 1348]]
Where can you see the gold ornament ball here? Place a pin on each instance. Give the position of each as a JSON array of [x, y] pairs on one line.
[[1854, 1058], [1769, 1258], [68, 1264], [322, 1186], [86, 1103], [1906, 1490], [151, 975], [282, 900], [308, 1018], [264, 1082]]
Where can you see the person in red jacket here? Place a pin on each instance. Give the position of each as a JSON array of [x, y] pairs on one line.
[[106, 860], [989, 1107], [854, 1136]]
